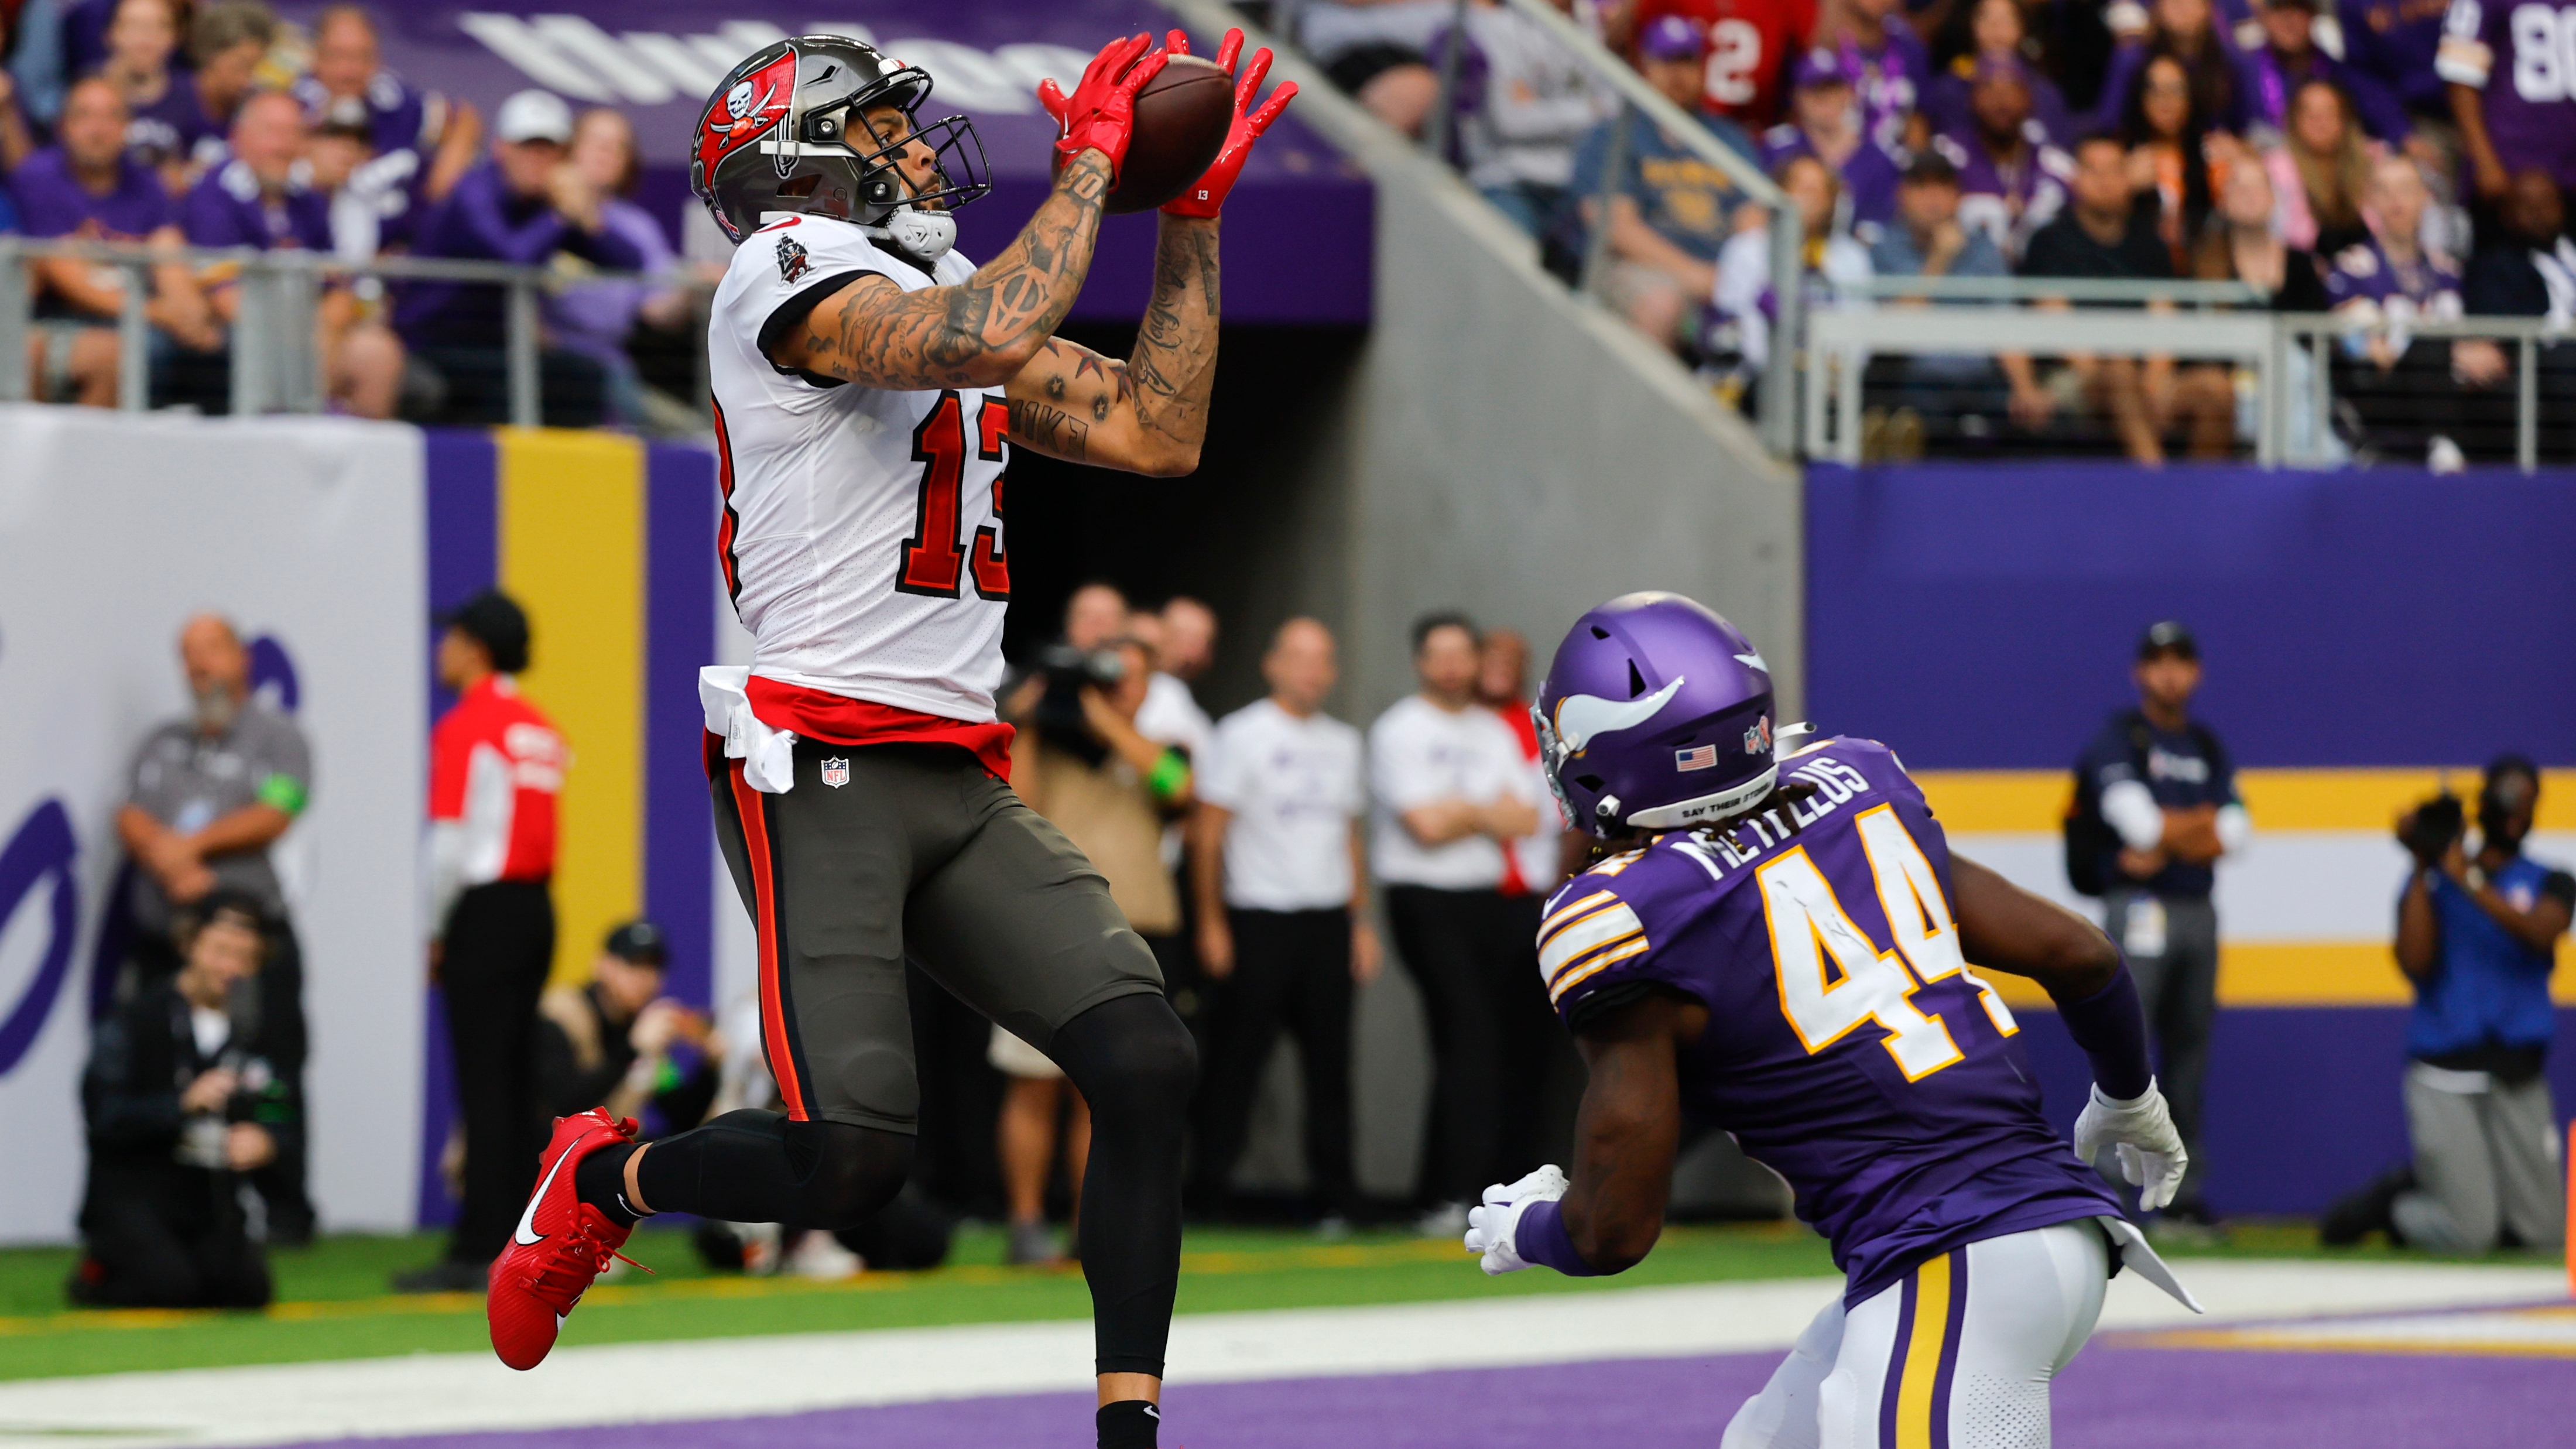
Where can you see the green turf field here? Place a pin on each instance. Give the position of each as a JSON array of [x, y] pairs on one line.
[[332, 1301]]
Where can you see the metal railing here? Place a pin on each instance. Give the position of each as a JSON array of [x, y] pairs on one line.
[[275, 365], [1779, 396]]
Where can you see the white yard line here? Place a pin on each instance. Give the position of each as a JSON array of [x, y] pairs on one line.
[[722, 1378]]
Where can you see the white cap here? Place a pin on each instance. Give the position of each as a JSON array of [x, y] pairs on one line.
[[533, 115]]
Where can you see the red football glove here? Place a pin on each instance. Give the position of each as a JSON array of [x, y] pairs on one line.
[[1101, 113], [1207, 196]]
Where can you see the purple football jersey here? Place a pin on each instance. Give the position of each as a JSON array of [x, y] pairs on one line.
[[227, 208], [2428, 286], [2519, 57], [1849, 1047], [1893, 76], [52, 202], [171, 128], [1869, 174]]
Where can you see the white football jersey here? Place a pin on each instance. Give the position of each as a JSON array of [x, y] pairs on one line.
[[862, 530]]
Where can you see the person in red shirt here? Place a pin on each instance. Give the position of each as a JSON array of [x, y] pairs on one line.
[[496, 765], [1750, 45]]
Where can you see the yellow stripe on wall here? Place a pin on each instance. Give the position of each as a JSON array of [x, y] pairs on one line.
[[1922, 1371], [1987, 801], [572, 554]]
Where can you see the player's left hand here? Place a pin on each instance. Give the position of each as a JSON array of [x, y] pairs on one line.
[[2142, 1129], [1493, 1226], [1207, 196]]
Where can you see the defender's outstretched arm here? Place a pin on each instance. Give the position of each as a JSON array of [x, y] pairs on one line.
[[1628, 1129], [2007, 928]]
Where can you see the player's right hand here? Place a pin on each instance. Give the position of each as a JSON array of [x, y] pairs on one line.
[[1493, 1227], [1206, 196], [2142, 1129], [1100, 115]]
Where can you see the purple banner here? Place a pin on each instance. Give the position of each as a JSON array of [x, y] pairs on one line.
[[1300, 221]]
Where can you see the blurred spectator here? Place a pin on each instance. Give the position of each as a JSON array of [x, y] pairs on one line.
[[523, 206], [1183, 645], [2110, 231], [1524, 103], [17, 140], [1750, 44], [2395, 43], [496, 765], [2168, 153], [206, 797], [1670, 212], [2011, 184], [619, 1043], [1826, 123], [174, 1097], [2401, 387], [227, 40], [2529, 124], [1378, 51], [1451, 794], [2526, 267], [370, 198], [2244, 245], [1094, 615], [260, 198], [348, 84], [167, 122], [1931, 239], [2184, 32], [1535, 863], [1280, 871], [1999, 40], [2159, 793], [2476, 934], [1079, 761], [1885, 63], [595, 319], [1740, 315], [2290, 58], [2320, 170], [86, 186]]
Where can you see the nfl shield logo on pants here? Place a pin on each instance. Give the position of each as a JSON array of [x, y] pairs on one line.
[[836, 773]]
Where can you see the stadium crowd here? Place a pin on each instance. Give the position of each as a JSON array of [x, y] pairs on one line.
[[2380, 160], [214, 124]]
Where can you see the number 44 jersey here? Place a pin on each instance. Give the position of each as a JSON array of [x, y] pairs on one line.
[[1849, 1047], [862, 531]]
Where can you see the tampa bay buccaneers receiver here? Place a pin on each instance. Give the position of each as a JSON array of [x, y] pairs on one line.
[[869, 385]]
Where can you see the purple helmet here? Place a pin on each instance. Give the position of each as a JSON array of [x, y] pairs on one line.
[[1656, 713]]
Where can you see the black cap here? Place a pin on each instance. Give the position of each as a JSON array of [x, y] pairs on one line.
[[639, 941], [1931, 168], [494, 620], [2168, 637]]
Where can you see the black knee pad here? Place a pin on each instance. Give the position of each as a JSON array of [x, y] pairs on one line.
[[1130, 1054], [843, 1174]]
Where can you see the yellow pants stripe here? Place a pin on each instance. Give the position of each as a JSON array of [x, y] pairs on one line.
[[1922, 1372]]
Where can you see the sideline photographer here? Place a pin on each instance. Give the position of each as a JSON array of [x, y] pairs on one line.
[[2476, 934], [619, 1043]]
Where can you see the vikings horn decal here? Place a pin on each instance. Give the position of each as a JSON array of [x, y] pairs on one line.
[[1583, 718], [755, 105]]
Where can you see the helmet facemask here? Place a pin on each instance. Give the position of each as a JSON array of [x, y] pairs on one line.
[[884, 205]]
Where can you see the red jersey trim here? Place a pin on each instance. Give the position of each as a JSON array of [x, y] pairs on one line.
[[839, 720]]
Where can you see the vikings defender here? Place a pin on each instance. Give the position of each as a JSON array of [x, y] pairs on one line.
[[869, 384], [1778, 939]]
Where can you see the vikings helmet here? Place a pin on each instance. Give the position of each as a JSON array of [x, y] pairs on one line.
[[1656, 714], [783, 133]]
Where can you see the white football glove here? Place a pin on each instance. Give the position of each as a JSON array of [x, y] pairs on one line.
[[1493, 1227], [2151, 1155]]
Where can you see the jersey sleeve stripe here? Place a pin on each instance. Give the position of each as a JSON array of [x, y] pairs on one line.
[[1567, 913], [2463, 61], [1599, 963], [1611, 925]]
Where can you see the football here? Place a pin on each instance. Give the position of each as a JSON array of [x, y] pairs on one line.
[[1182, 116]]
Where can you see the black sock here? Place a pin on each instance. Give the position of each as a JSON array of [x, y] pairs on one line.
[[1129, 1424], [601, 1182]]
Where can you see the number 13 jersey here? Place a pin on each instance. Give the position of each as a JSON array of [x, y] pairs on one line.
[[1849, 1048], [862, 532]]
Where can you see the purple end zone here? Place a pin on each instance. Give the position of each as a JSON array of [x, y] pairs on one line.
[[2112, 1398]]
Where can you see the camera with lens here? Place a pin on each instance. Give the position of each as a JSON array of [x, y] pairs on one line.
[[1057, 716], [2430, 829]]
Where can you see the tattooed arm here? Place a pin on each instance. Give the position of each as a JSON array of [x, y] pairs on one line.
[[979, 333], [1150, 413]]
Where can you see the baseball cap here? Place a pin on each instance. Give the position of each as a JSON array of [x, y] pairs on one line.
[[639, 941], [1930, 168], [533, 115], [1819, 67], [2168, 636], [494, 620], [1672, 37]]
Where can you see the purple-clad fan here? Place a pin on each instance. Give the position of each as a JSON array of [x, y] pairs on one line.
[[1826, 122], [1779, 941], [2521, 113]]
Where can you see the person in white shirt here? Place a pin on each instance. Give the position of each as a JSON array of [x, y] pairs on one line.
[[1183, 637], [1452, 791], [1279, 869], [1536, 862]]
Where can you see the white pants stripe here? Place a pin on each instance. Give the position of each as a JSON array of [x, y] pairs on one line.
[[1957, 1355]]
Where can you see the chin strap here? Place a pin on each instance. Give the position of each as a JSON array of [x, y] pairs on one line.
[[925, 234]]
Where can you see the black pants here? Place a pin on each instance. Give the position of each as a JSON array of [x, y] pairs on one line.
[[1292, 969], [1474, 954], [499, 943], [144, 1252], [271, 1012]]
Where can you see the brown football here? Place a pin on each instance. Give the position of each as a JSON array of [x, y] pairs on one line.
[[1182, 116]]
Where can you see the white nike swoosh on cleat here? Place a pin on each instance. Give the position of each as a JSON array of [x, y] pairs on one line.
[[527, 1234]]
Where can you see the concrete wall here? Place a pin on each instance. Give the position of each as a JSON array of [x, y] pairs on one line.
[[1505, 448]]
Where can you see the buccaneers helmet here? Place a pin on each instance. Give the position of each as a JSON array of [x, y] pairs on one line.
[[783, 132]]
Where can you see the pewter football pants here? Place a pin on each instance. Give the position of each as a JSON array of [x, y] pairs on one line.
[[1956, 1355]]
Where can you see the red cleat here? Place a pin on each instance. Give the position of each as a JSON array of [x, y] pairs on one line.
[[561, 1246]]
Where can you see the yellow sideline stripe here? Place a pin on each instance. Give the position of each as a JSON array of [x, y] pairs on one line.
[[2036, 800], [572, 554], [2300, 973]]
